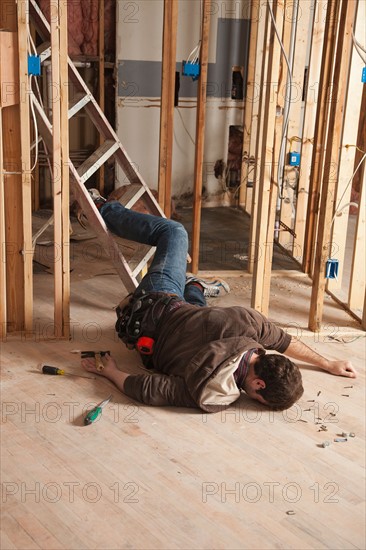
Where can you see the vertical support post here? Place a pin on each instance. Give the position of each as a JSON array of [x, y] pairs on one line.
[[200, 135], [18, 303], [297, 55], [167, 104], [248, 105], [322, 113], [3, 330], [263, 256], [257, 92], [335, 128], [318, 28], [27, 249], [256, 145], [358, 270], [277, 141], [60, 167], [101, 73], [353, 114]]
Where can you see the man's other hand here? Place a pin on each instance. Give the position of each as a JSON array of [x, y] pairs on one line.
[[342, 368]]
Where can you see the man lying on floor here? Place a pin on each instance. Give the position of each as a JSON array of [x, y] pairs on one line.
[[200, 356]]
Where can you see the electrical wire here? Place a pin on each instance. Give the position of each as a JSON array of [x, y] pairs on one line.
[[185, 127], [359, 47], [35, 126], [195, 54], [31, 45]]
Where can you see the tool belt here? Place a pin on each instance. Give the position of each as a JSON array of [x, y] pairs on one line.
[[138, 317]]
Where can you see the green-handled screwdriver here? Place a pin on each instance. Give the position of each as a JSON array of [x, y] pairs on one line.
[[47, 369], [94, 414]]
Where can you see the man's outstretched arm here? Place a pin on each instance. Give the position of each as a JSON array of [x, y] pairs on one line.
[[301, 352]]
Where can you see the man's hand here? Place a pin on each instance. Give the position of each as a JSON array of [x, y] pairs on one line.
[[110, 370], [109, 363], [342, 368]]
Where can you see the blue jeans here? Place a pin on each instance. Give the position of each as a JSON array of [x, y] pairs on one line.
[[167, 272]]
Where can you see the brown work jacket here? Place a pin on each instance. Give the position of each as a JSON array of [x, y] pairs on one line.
[[196, 354]]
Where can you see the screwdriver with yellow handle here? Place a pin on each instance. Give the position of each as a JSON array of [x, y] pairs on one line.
[[47, 369]]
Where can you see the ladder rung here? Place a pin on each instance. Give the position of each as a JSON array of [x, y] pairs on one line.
[[44, 51], [140, 259], [132, 195], [78, 102], [97, 159]]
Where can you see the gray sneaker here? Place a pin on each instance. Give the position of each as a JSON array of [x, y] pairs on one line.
[[211, 289], [96, 197]]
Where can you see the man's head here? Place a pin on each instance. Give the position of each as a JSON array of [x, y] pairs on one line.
[[275, 381]]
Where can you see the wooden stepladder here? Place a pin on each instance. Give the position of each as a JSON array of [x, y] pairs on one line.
[[111, 147]]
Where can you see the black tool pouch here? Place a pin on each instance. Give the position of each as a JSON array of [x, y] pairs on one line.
[[130, 319], [139, 316]]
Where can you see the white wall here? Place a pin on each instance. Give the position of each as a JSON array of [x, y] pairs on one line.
[[139, 37]]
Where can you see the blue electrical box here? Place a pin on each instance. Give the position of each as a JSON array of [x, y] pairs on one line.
[[331, 269], [191, 69], [363, 79], [294, 158], [34, 65]]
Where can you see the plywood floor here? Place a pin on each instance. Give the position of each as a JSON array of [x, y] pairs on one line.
[[165, 478]]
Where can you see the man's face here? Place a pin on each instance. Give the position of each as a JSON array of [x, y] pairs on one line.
[[251, 388]]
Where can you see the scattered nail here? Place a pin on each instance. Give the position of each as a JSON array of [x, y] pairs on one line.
[[332, 414], [325, 444], [340, 439], [290, 512], [301, 420], [319, 392], [345, 395], [306, 410], [311, 401], [346, 387]]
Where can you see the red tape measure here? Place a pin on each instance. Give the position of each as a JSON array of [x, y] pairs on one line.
[[145, 345]]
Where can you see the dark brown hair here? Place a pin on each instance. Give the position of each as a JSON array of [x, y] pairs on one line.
[[282, 378]]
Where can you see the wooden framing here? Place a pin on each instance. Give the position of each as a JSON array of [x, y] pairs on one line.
[[167, 104], [358, 270], [257, 137], [263, 254], [60, 133], [255, 122], [277, 139], [27, 249], [244, 194], [328, 130], [347, 159], [16, 203], [200, 135], [334, 124], [296, 107], [317, 165], [3, 315], [101, 81], [318, 30]]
